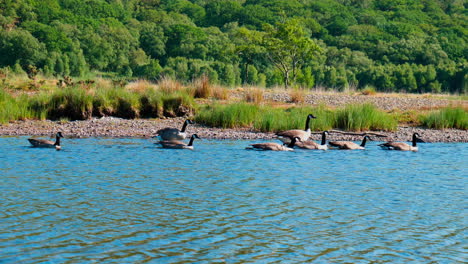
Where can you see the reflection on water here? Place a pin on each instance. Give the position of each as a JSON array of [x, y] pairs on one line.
[[128, 201]]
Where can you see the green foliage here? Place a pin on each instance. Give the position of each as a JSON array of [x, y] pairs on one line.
[[451, 117], [413, 46]]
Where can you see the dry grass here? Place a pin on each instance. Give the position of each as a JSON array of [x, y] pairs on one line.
[[203, 87], [104, 83], [298, 96], [169, 86], [254, 95], [140, 86], [220, 93]]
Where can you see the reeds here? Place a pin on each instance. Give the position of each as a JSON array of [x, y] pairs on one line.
[[270, 119], [12, 108], [228, 116], [360, 117], [450, 117], [75, 103]]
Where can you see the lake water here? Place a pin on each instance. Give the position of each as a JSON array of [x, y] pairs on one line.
[[103, 200]]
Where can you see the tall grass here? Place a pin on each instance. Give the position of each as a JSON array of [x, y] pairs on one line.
[[450, 117], [12, 108], [268, 119], [75, 103], [262, 118], [228, 116], [359, 117]]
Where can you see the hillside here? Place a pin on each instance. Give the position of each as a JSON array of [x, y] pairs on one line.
[[394, 45]]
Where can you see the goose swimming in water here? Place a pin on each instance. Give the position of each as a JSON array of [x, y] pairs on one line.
[[43, 143], [402, 146], [275, 146], [169, 133], [175, 144], [350, 144], [286, 136], [314, 145]]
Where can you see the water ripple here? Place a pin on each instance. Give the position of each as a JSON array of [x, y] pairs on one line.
[[127, 201]]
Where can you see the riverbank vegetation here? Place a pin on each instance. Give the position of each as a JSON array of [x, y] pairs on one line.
[[209, 104], [415, 46]]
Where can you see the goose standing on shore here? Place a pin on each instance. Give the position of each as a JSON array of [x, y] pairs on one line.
[[175, 144], [286, 136], [275, 146], [169, 133], [43, 143], [350, 144], [314, 145], [402, 146]]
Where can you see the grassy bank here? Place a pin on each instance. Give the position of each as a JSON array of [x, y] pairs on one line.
[[215, 106], [77, 103], [452, 117], [268, 118]]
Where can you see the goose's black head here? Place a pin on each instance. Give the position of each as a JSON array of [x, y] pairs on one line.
[[195, 136], [417, 138], [188, 121], [59, 134], [311, 116]]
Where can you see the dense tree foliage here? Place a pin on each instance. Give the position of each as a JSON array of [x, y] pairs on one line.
[[404, 45]]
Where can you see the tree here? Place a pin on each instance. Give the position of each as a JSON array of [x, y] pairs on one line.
[[288, 48]]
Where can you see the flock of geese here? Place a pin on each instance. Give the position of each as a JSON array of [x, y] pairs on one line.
[[171, 138]]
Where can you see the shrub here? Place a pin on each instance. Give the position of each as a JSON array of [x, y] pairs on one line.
[[368, 90]]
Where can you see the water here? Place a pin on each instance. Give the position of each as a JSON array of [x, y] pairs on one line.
[[127, 201]]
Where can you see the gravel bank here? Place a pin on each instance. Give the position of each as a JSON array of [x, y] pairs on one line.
[[145, 128], [385, 102]]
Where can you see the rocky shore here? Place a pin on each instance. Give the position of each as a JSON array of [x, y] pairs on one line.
[[146, 128]]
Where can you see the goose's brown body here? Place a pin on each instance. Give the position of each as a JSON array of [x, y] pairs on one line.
[[402, 146], [44, 143]]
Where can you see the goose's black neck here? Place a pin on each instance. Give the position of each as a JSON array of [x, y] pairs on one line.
[[184, 126], [57, 141], [307, 125], [414, 140], [292, 143], [363, 144], [191, 141], [324, 138]]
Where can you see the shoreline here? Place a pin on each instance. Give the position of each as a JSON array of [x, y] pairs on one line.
[[146, 128]]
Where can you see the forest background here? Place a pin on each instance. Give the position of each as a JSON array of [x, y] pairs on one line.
[[415, 46]]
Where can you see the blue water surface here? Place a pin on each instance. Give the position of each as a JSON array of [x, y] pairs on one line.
[[102, 200]]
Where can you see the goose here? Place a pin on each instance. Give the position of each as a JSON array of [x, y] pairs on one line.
[[175, 144], [275, 146], [286, 136], [402, 146], [313, 144], [174, 133], [43, 143], [349, 144]]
